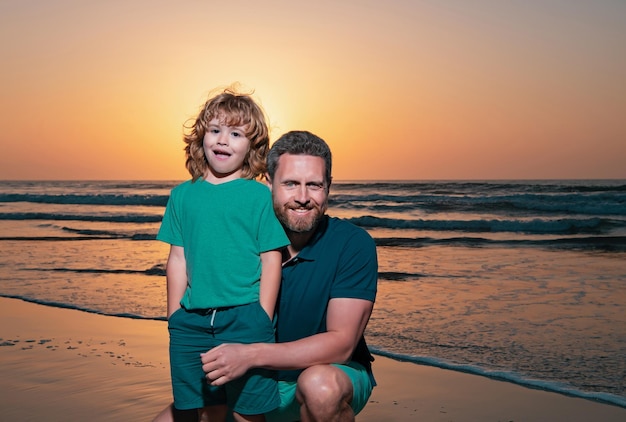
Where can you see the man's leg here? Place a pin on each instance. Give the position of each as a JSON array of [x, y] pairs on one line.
[[325, 394]]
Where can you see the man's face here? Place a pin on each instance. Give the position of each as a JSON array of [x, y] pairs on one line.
[[299, 192]]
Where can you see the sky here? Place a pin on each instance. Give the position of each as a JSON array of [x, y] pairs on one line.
[[400, 90]]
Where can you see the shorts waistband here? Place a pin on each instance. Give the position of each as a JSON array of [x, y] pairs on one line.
[[208, 311]]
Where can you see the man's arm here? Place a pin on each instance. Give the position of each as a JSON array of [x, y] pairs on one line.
[[176, 272], [346, 320]]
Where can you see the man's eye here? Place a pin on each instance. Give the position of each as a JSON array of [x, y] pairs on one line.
[[316, 186], [289, 185]]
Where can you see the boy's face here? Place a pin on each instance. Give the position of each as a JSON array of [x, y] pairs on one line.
[[225, 148], [299, 191]]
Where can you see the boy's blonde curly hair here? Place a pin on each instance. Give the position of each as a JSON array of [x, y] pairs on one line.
[[231, 109]]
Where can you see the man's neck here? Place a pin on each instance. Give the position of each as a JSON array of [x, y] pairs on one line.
[[298, 242]]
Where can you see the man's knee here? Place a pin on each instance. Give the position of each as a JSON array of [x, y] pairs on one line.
[[324, 384]]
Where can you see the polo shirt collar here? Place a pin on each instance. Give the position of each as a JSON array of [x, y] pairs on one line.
[[310, 251]]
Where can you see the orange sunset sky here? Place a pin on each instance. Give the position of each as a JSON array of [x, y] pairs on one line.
[[441, 89]]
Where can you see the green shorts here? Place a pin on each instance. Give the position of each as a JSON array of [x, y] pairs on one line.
[[289, 409], [194, 332]]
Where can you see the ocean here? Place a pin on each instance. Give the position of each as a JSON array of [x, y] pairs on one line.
[[522, 281]]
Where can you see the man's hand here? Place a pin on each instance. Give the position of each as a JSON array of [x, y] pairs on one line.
[[226, 362]]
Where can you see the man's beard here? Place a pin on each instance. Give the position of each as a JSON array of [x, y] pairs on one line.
[[298, 224]]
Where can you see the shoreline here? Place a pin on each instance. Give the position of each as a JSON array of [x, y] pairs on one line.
[[63, 364]]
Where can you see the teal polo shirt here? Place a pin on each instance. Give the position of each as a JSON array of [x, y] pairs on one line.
[[339, 262]]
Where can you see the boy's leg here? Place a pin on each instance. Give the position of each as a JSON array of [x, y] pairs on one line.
[[188, 338], [171, 414], [256, 392], [208, 414], [214, 414]]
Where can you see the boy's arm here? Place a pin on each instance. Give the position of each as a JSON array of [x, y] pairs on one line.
[[271, 273], [176, 271]]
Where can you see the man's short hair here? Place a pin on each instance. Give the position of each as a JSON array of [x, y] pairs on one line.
[[300, 142]]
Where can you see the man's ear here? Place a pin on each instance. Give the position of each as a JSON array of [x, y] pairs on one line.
[[268, 181]]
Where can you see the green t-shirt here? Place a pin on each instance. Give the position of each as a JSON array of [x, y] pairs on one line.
[[223, 229]]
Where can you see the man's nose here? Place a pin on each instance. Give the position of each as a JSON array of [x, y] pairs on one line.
[[301, 195]]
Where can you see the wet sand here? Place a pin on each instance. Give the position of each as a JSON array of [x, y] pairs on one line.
[[62, 364]]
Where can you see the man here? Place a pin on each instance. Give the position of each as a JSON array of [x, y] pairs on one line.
[[327, 295]]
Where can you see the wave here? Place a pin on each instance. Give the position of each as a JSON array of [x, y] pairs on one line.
[[535, 226], [159, 270], [155, 270], [125, 218], [518, 198], [599, 243], [569, 226], [398, 276], [87, 199], [64, 305], [451, 187], [588, 243], [523, 204], [511, 377]]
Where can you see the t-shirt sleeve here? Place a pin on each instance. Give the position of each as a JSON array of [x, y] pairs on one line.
[[170, 230], [271, 233], [357, 270]]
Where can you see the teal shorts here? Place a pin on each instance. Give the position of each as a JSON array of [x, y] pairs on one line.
[[289, 409], [194, 332]]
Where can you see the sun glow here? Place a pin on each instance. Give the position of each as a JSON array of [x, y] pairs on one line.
[[409, 91]]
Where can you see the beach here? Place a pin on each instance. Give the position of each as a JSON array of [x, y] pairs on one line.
[[495, 299], [64, 364]]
